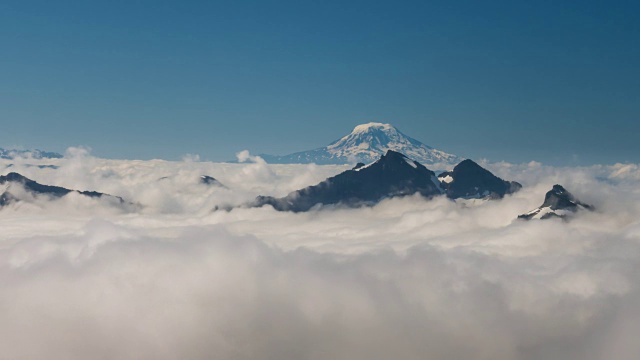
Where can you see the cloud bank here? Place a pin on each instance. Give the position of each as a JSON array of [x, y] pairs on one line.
[[406, 279]]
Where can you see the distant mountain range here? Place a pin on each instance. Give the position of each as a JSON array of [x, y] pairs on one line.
[[35, 154], [366, 144], [394, 174], [390, 164]]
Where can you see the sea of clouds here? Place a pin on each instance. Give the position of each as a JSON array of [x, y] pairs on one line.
[[165, 277]]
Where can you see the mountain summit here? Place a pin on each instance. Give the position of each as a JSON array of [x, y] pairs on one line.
[[558, 203], [367, 143], [468, 180]]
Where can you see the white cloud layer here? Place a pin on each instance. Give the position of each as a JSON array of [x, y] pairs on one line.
[[406, 279]]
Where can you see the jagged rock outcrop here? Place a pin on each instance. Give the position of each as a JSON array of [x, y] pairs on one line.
[[558, 203], [468, 180]]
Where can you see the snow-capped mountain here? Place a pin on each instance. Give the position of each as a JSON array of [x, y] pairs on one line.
[[367, 143]]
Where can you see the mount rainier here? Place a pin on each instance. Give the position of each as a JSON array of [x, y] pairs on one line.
[[366, 144]]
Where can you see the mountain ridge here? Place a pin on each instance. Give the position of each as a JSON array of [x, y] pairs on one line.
[[393, 175], [35, 188]]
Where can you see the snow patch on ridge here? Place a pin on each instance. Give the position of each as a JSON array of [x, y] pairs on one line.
[[447, 179]]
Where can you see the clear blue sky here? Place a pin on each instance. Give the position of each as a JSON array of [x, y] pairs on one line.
[[552, 81]]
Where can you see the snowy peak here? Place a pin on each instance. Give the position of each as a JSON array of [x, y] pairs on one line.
[[372, 126], [370, 141], [375, 137], [366, 143]]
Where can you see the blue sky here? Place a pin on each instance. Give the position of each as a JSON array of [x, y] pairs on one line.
[[556, 82]]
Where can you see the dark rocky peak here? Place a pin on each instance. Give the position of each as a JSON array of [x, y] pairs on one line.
[[39, 189], [33, 186], [559, 198], [558, 202], [392, 175], [13, 177], [209, 180], [203, 179], [395, 161], [470, 180]]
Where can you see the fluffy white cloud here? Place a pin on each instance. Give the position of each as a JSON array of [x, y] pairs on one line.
[[407, 279]]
